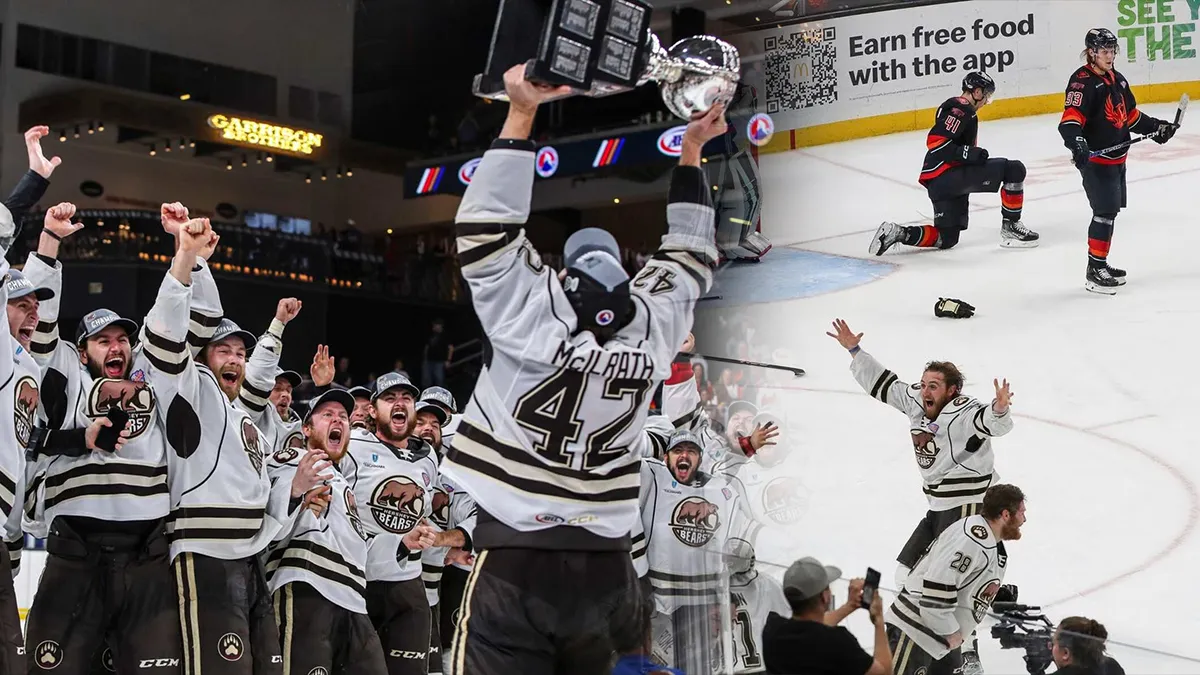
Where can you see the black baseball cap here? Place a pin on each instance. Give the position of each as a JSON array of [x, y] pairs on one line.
[[228, 329], [331, 396], [97, 320], [432, 407], [19, 286], [360, 392], [291, 376]]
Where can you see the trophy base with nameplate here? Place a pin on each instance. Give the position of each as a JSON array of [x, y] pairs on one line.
[[605, 47]]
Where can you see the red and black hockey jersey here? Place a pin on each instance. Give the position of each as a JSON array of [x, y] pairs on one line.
[[1102, 108], [955, 130]]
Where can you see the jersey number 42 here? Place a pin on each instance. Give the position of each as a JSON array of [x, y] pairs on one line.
[[552, 411]]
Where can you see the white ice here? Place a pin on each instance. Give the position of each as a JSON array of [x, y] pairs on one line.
[[1106, 388]]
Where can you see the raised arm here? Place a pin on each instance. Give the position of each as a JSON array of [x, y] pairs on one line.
[[264, 361], [675, 277], [33, 184], [206, 311], [882, 384]]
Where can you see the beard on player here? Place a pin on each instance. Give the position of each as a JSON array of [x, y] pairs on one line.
[[684, 461], [108, 354], [328, 430], [940, 383], [394, 415], [429, 428]]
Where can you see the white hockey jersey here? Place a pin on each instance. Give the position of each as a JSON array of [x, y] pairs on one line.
[[681, 404], [776, 499], [953, 452], [952, 587], [452, 508], [126, 486], [680, 539], [221, 502], [19, 381], [328, 552], [396, 487], [553, 432], [755, 596]]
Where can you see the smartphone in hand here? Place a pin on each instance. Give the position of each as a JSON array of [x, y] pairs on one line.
[[107, 438], [870, 588]]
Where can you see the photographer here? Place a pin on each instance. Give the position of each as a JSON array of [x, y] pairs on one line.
[[811, 642], [1078, 648]]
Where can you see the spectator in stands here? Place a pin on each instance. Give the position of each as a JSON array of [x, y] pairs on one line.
[[811, 642], [438, 354], [343, 373], [1078, 648]]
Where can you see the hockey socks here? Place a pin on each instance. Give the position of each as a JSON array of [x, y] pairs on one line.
[[1100, 234], [924, 236], [1012, 199]]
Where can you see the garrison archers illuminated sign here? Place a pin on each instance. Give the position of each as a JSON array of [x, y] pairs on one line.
[[266, 135]]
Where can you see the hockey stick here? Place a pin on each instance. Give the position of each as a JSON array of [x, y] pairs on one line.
[[709, 297], [1183, 104], [798, 372]]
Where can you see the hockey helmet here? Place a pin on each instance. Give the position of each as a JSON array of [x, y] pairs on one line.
[[595, 282], [1101, 38], [739, 556], [979, 80]]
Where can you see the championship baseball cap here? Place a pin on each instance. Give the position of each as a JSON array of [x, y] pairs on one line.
[[683, 436], [807, 578], [442, 397], [97, 320], [19, 286], [739, 407], [360, 392], [331, 396], [391, 381], [436, 409], [595, 252], [228, 329], [291, 376]]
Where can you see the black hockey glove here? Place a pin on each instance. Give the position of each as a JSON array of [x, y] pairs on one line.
[[974, 155], [1165, 131], [1080, 152], [951, 308]]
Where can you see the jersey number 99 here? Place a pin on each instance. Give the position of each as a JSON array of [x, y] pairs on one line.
[[551, 410]]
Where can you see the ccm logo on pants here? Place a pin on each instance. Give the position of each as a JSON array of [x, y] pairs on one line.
[[158, 663], [398, 654]]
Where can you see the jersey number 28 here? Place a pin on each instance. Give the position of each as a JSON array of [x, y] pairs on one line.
[[552, 411]]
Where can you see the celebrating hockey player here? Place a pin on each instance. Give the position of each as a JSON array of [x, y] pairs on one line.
[[953, 586], [549, 444], [755, 596], [955, 167], [104, 504], [1099, 112], [266, 391], [317, 567], [951, 436], [687, 519], [393, 473]]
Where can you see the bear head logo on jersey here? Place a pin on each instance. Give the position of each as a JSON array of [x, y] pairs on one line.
[[292, 446], [352, 513], [135, 398], [251, 445], [925, 448], [398, 504], [784, 499], [25, 408], [983, 599], [695, 521], [440, 513]]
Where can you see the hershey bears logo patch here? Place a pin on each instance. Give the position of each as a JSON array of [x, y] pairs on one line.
[[924, 447], [397, 504], [695, 521], [251, 445], [48, 655], [291, 448], [979, 532], [440, 515], [962, 400], [784, 499], [983, 599], [135, 398], [352, 513], [231, 647], [25, 408]]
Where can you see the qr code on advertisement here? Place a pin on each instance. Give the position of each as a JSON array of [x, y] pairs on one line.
[[801, 69]]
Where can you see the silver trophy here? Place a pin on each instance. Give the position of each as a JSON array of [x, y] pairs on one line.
[[694, 74]]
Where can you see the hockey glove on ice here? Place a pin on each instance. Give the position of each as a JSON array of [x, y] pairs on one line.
[[953, 309], [1165, 131], [1080, 152]]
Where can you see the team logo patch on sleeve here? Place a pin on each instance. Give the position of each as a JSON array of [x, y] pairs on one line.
[[251, 445], [397, 504], [291, 448], [962, 400], [695, 521], [352, 513], [25, 408], [135, 398], [979, 532], [440, 514]]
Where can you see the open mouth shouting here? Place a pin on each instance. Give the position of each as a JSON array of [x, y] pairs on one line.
[[336, 438], [25, 334], [114, 366], [683, 467], [399, 421], [230, 376]]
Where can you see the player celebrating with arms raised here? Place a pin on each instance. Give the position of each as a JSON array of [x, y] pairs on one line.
[[951, 437], [550, 441], [954, 168], [1099, 112]]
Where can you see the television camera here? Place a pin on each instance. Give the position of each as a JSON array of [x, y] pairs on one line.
[[1022, 627]]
